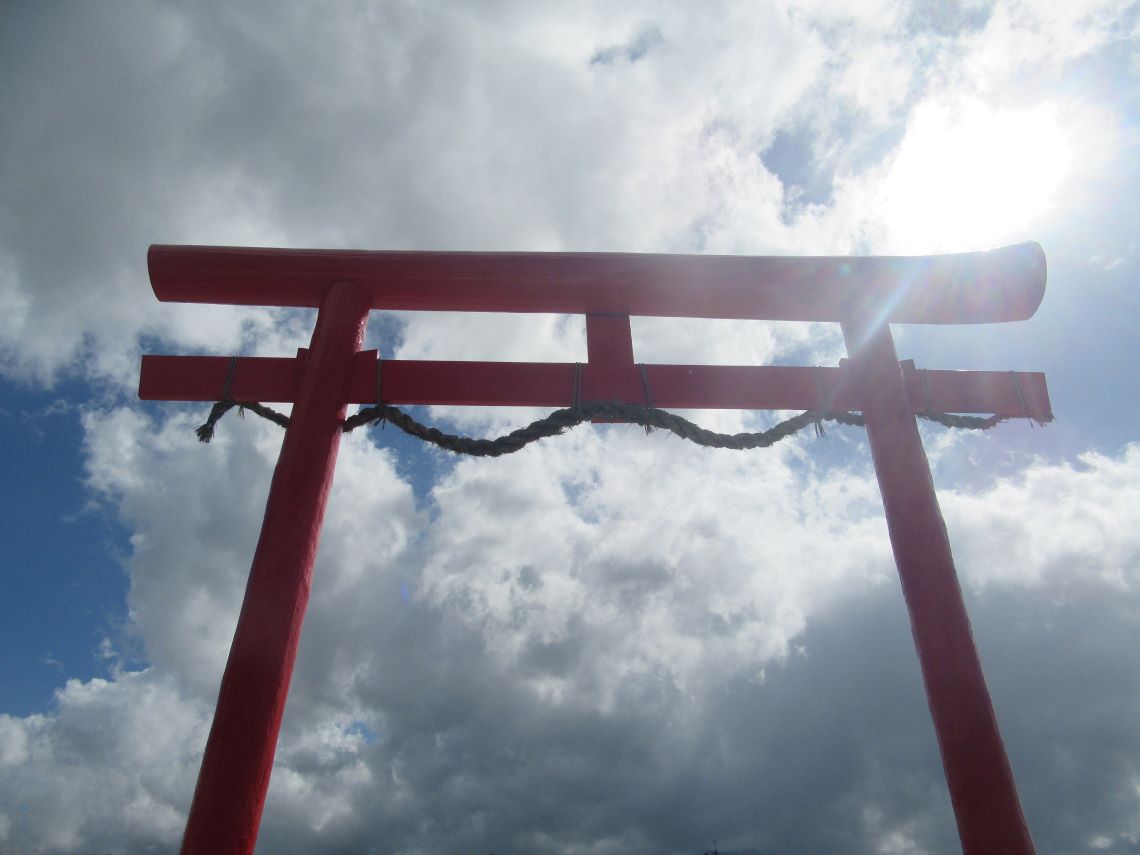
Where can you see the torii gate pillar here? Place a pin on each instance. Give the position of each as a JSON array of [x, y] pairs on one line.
[[228, 800], [978, 774]]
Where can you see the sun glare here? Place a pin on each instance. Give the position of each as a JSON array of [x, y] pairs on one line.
[[970, 177]]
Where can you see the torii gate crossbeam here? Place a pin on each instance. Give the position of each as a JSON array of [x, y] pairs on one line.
[[863, 294]]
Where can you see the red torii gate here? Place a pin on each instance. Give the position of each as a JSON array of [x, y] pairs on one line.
[[863, 294]]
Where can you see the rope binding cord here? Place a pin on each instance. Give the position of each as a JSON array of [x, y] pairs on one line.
[[579, 411], [205, 432]]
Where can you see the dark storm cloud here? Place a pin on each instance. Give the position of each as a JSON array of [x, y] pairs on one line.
[[832, 751]]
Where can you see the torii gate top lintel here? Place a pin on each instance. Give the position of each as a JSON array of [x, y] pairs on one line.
[[1005, 284]]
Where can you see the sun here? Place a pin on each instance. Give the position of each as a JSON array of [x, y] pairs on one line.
[[968, 176]]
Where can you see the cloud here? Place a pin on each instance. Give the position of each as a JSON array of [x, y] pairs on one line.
[[1015, 537], [611, 643], [532, 660], [1103, 265], [109, 768], [432, 130], [1023, 41], [420, 130], [635, 51]]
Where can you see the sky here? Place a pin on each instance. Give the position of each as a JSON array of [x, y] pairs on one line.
[[609, 642]]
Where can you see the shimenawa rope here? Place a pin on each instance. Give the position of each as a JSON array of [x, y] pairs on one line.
[[562, 420]]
